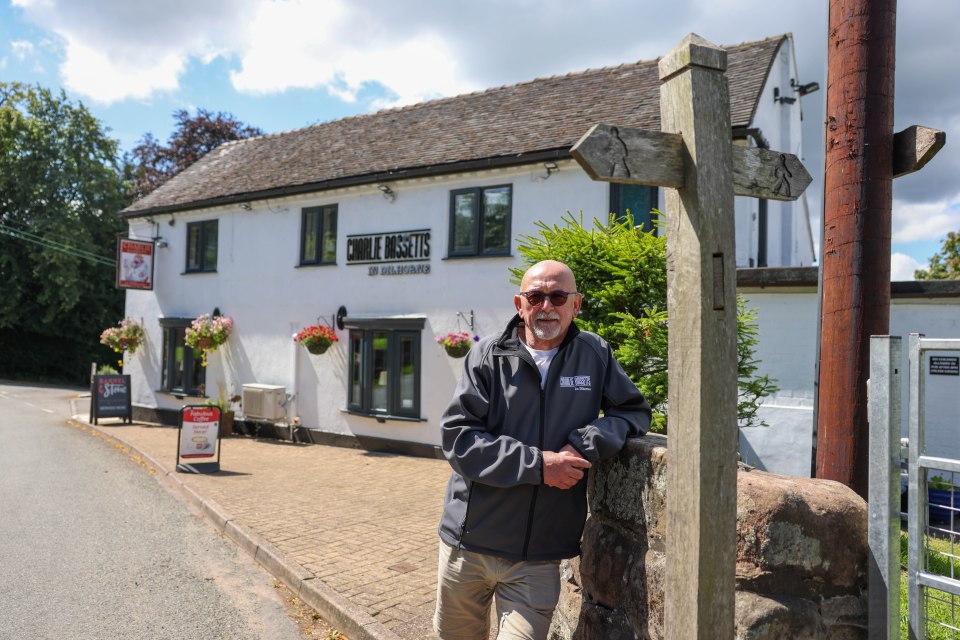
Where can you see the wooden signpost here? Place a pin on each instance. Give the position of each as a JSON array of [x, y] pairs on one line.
[[694, 156]]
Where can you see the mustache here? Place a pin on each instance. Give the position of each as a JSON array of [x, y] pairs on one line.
[[547, 315]]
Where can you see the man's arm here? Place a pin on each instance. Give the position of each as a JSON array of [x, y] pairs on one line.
[[626, 414], [475, 453]]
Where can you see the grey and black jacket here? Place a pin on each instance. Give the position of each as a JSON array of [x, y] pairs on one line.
[[500, 422]]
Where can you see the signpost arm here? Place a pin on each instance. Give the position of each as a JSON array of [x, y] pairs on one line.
[[701, 303]]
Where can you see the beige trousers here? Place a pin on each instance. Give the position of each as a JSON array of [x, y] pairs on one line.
[[526, 595]]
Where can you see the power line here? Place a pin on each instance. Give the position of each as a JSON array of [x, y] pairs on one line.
[[76, 252]]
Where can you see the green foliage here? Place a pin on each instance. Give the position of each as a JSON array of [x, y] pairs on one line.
[[622, 272], [107, 370], [944, 265], [60, 190], [151, 164]]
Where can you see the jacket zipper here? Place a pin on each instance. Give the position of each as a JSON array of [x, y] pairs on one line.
[[536, 489]]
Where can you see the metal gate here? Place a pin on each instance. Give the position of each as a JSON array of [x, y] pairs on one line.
[[933, 490]]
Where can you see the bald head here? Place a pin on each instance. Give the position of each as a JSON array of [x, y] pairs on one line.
[[551, 270]]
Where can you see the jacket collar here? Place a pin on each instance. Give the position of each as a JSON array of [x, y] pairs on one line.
[[509, 341]]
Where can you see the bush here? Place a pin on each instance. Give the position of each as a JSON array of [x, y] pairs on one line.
[[622, 272]]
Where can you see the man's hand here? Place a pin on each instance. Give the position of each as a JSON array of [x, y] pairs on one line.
[[563, 469]]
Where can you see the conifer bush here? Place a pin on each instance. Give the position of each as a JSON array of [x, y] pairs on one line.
[[622, 273]]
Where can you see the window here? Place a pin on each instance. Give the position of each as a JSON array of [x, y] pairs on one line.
[[318, 235], [635, 198], [385, 367], [480, 221], [181, 371], [202, 246]]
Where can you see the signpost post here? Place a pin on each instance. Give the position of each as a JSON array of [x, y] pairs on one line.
[[695, 157]]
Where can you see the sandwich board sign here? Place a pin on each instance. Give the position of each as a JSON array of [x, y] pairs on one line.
[[110, 397], [198, 439]]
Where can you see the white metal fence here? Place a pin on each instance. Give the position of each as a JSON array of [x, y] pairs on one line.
[[933, 493]]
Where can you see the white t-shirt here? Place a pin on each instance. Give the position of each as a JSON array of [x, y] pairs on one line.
[[542, 359]]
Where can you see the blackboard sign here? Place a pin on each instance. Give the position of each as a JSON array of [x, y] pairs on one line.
[[110, 398]]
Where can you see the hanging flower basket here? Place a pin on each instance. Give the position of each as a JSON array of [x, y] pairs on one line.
[[127, 336], [457, 345], [206, 334], [457, 351], [316, 338], [316, 348]]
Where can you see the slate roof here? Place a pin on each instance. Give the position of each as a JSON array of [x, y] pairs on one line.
[[527, 122]]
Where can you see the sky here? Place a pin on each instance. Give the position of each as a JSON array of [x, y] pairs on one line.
[[286, 64]]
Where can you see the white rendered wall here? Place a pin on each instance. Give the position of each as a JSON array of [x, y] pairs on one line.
[[259, 285], [787, 321], [789, 239]]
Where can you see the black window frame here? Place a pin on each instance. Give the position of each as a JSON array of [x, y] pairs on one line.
[[194, 373], [396, 330], [323, 212], [203, 238], [478, 249], [646, 219]]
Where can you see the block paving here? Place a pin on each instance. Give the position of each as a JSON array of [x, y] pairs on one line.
[[364, 523]]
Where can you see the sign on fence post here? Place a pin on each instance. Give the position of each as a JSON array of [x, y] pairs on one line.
[[198, 439]]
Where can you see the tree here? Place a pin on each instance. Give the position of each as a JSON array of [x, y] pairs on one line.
[[944, 265], [151, 164], [60, 190], [622, 272]]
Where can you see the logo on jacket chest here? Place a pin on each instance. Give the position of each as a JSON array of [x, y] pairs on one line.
[[579, 383]]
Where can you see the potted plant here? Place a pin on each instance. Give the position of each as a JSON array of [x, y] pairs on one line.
[[316, 338], [207, 334], [128, 335], [226, 406], [457, 345]]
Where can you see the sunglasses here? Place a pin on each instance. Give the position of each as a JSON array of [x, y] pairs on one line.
[[557, 298]]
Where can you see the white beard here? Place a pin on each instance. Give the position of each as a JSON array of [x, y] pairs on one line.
[[546, 333]]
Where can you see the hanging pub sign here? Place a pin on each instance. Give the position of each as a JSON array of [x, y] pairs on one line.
[[382, 252], [110, 398], [198, 442], [135, 263]]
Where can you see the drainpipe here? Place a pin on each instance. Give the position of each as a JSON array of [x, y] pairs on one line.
[[295, 382]]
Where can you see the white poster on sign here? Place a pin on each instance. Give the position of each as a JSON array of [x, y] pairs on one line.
[[198, 437]]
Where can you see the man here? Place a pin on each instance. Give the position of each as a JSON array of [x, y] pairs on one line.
[[521, 431]]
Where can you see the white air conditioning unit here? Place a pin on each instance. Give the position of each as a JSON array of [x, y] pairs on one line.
[[263, 401]]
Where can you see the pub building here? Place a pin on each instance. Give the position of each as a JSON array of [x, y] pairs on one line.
[[399, 226]]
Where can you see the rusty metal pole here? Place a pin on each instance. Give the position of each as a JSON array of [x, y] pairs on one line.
[[857, 226]]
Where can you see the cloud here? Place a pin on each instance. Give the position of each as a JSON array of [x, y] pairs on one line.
[[314, 45], [924, 221], [22, 49], [902, 267], [114, 49]]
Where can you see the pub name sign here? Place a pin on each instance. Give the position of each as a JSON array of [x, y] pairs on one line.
[[375, 249]]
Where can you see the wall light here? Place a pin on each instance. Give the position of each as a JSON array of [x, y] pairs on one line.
[[246, 206], [804, 89], [782, 99], [550, 166], [388, 193]]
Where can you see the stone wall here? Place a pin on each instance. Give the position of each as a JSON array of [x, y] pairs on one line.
[[801, 555]]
